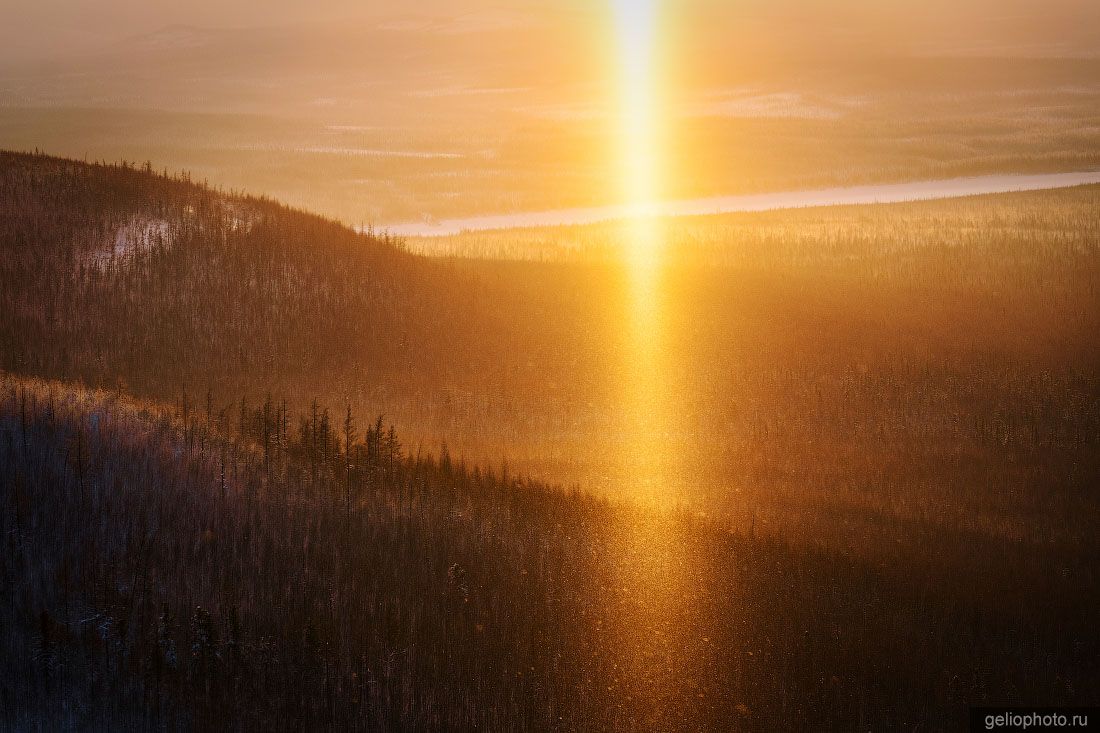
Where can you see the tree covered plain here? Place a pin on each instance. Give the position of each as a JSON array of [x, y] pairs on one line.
[[890, 417]]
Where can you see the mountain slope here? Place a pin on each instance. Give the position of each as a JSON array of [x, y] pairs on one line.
[[111, 272]]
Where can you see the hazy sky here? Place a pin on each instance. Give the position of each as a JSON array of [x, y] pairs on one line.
[[38, 27], [44, 28]]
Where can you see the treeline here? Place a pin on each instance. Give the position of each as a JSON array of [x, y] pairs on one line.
[[161, 572]]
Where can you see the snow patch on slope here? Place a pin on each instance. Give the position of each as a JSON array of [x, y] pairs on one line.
[[137, 236]]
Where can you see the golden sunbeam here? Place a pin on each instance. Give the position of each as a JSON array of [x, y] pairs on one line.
[[652, 690], [636, 23]]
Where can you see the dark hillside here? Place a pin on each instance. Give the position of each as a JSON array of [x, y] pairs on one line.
[[158, 574], [111, 272]]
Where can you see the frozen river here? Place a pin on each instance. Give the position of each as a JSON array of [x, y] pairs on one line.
[[870, 194]]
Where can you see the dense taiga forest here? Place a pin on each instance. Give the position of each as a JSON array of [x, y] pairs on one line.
[[890, 416], [159, 573]]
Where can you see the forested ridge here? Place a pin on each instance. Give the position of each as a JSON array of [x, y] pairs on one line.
[[111, 271]]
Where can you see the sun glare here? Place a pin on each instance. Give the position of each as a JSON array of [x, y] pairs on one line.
[[636, 23], [654, 557]]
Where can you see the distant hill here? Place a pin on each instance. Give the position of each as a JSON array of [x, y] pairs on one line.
[[111, 273]]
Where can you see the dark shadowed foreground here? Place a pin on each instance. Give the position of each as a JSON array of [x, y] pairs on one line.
[[160, 573]]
